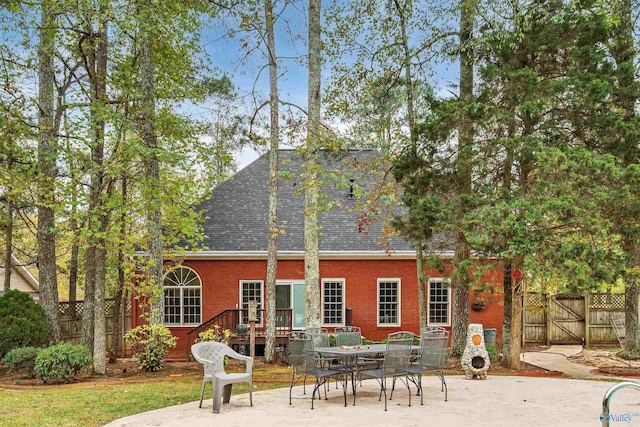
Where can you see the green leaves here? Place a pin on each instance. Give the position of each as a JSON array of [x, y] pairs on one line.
[[151, 343]]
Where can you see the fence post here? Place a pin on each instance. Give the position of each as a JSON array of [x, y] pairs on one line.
[[587, 319], [547, 318]]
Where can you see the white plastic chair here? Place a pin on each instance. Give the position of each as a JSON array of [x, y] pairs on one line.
[[211, 354]]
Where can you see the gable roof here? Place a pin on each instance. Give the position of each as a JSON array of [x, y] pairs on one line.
[[21, 278], [236, 213]]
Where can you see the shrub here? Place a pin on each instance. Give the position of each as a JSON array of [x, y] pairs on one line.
[[61, 363], [22, 322], [22, 359], [215, 334], [150, 345], [493, 352]]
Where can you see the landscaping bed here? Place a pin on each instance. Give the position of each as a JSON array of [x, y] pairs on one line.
[[127, 371]]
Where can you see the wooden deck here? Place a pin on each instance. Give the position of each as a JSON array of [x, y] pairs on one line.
[[235, 320]]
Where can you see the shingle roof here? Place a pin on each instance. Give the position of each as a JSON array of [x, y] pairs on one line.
[[236, 214]]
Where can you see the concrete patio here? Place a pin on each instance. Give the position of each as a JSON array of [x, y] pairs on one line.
[[496, 401]]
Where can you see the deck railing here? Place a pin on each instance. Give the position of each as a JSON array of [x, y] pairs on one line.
[[235, 320]]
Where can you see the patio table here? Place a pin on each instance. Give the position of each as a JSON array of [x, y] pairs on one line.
[[348, 357]]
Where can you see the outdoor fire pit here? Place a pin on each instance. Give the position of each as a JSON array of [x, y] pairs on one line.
[[475, 359]]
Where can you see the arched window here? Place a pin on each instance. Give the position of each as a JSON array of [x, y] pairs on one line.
[[182, 297]]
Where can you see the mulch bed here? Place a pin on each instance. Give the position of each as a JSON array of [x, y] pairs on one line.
[[128, 371]]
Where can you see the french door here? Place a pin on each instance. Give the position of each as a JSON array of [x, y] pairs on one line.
[[291, 295]]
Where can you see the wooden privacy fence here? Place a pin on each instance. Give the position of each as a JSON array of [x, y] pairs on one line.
[[571, 318], [71, 323]]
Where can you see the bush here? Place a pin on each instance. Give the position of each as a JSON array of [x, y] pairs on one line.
[[23, 360], [61, 363], [493, 352], [150, 345], [215, 334], [22, 322]]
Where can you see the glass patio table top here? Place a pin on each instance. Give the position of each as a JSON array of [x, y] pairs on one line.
[[356, 350], [348, 358]]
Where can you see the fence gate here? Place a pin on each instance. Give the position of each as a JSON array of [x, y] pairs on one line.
[[571, 319], [566, 319]]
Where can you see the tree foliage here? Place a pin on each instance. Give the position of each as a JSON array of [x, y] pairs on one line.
[[22, 322], [94, 118]]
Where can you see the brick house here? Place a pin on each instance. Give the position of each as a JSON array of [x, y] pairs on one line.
[[363, 283]]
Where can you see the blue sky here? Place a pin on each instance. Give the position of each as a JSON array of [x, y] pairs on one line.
[[248, 72]]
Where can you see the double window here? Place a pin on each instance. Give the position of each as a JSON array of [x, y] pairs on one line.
[[389, 302], [333, 302], [251, 290], [182, 297], [439, 302]]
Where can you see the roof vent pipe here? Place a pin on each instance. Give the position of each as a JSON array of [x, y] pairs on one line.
[[351, 194]]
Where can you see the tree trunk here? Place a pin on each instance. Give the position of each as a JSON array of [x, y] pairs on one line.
[[406, 65], [515, 344], [507, 280], [422, 282], [73, 270], [100, 333], [272, 258], [94, 329], [88, 305], [75, 250], [461, 281], [627, 151], [47, 155], [116, 335], [311, 166], [8, 244], [631, 307], [154, 274], [507, 313], [462, 273], [73, 222]]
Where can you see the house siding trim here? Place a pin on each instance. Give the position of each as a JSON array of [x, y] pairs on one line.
[[297, 255]]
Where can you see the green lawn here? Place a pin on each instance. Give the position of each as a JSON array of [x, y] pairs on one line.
[[97, 405]]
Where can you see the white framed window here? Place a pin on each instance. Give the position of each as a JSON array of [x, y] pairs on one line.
[[333, 302], [439, 305], [182, 297], [388, 302], [251, 290]]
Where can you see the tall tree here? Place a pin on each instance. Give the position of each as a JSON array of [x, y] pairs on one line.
[[626, 94], [47, 155], [272, 257], [93, 46], [154, 273], [97, 56], [384, 95], [464, 160], [404, 10], [311, 166]]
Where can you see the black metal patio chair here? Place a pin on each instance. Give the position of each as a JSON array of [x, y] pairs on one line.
[[395, 364], [305, 363], [431, 359]]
